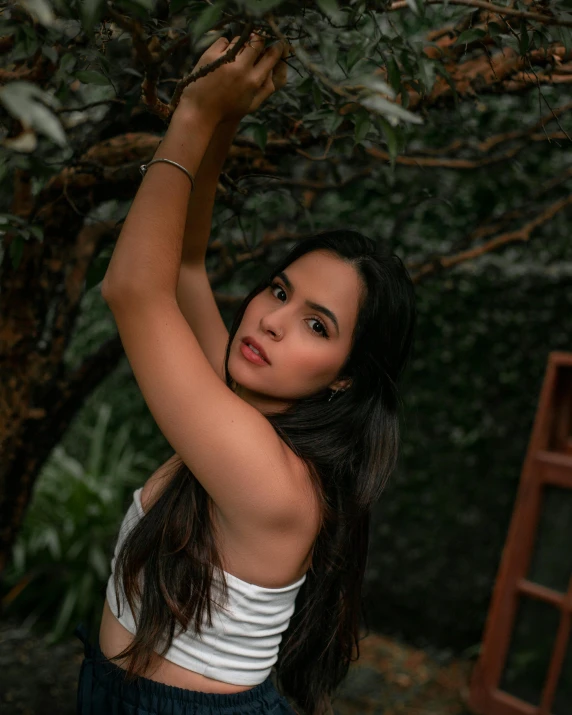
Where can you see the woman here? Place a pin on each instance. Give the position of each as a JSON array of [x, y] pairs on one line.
[[252, 538]]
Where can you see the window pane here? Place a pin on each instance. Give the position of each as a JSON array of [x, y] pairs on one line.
[[530, 651], [563, 700], [551, 565]]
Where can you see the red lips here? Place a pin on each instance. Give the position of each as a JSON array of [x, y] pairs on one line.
[[259, 347]]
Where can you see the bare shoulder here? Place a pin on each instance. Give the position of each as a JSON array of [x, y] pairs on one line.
[[273, 556]]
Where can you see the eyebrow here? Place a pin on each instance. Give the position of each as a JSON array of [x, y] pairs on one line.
[[309, 303]]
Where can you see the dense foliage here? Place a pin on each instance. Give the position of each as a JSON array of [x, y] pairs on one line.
[[444, 128]]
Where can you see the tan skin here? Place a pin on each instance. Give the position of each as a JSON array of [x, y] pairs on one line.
[[302, 363]]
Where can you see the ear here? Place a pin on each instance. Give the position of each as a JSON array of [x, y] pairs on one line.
[[341, 384]]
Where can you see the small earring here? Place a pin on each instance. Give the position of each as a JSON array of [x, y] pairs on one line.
[[331, 396]]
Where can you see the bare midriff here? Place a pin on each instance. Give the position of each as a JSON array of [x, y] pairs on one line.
[[114, 637]]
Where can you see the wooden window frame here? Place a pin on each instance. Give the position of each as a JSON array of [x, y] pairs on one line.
[[548, 462]]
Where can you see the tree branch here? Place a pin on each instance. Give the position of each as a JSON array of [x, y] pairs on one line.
[[151, 57], [41, 68], [450, 163], [521, 234], [490, 7]]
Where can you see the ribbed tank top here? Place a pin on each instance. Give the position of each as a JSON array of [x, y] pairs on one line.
[[243, 643]]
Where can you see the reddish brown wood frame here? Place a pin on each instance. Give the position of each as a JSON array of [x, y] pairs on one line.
[[548, 462]]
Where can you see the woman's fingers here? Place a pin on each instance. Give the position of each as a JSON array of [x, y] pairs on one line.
[[274, 81], [268, 61], [280, 71], [258, 65], [255, 42]]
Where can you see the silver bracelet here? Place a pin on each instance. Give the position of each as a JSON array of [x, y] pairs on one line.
[[143, 169]]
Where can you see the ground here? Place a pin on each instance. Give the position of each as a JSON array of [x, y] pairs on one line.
[[389, 679]]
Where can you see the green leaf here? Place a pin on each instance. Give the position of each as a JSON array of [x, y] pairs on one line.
[[30, 39], [16, 250], [37, 232], [90, 13], [50, 53], [132, 71], [98, 561], [92, 77], [416, 6], [393, 74], [494, 29], [427, 73], [66, 611], [353, 56], [405, 58], [67, 62], [97, 446], [566, 35], [330, 8], [362, 125], [27, 102], [390, 110], [40, 10], [329, 50], [19, 556], [317, 95], [542, 40], [260, 133], [374, 84], [20, 51], [332, 122], [524, 41], [96, 271], [470, 36], [52, 542], [257, 230], [209, 17], [391, 139]]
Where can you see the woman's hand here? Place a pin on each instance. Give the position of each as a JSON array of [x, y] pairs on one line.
[[237, 88]]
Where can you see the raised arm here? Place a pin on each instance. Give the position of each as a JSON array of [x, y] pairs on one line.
[[194, 293], [228, 444]]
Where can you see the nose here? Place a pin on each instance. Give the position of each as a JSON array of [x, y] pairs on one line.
[[271, 323]]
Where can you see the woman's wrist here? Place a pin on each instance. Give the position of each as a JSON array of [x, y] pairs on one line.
[[190, 132], [187, 110], [216, 154]]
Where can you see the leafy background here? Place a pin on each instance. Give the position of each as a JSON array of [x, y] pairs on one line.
[[486, 326]]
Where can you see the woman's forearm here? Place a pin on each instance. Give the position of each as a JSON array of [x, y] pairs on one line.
[[201, 202], [147, 255]]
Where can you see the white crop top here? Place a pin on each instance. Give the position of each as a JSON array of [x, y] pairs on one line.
[[242, 645]]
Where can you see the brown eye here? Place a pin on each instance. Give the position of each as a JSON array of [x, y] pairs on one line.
[[273, 288], [277, 288], [323, 332]]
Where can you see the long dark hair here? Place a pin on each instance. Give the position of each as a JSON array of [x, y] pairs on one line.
[[350, 446]]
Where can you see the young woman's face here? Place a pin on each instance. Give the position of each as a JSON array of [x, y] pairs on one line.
[[306, 345]]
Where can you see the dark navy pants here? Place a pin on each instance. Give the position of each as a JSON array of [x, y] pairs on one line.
[[102, 690]]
